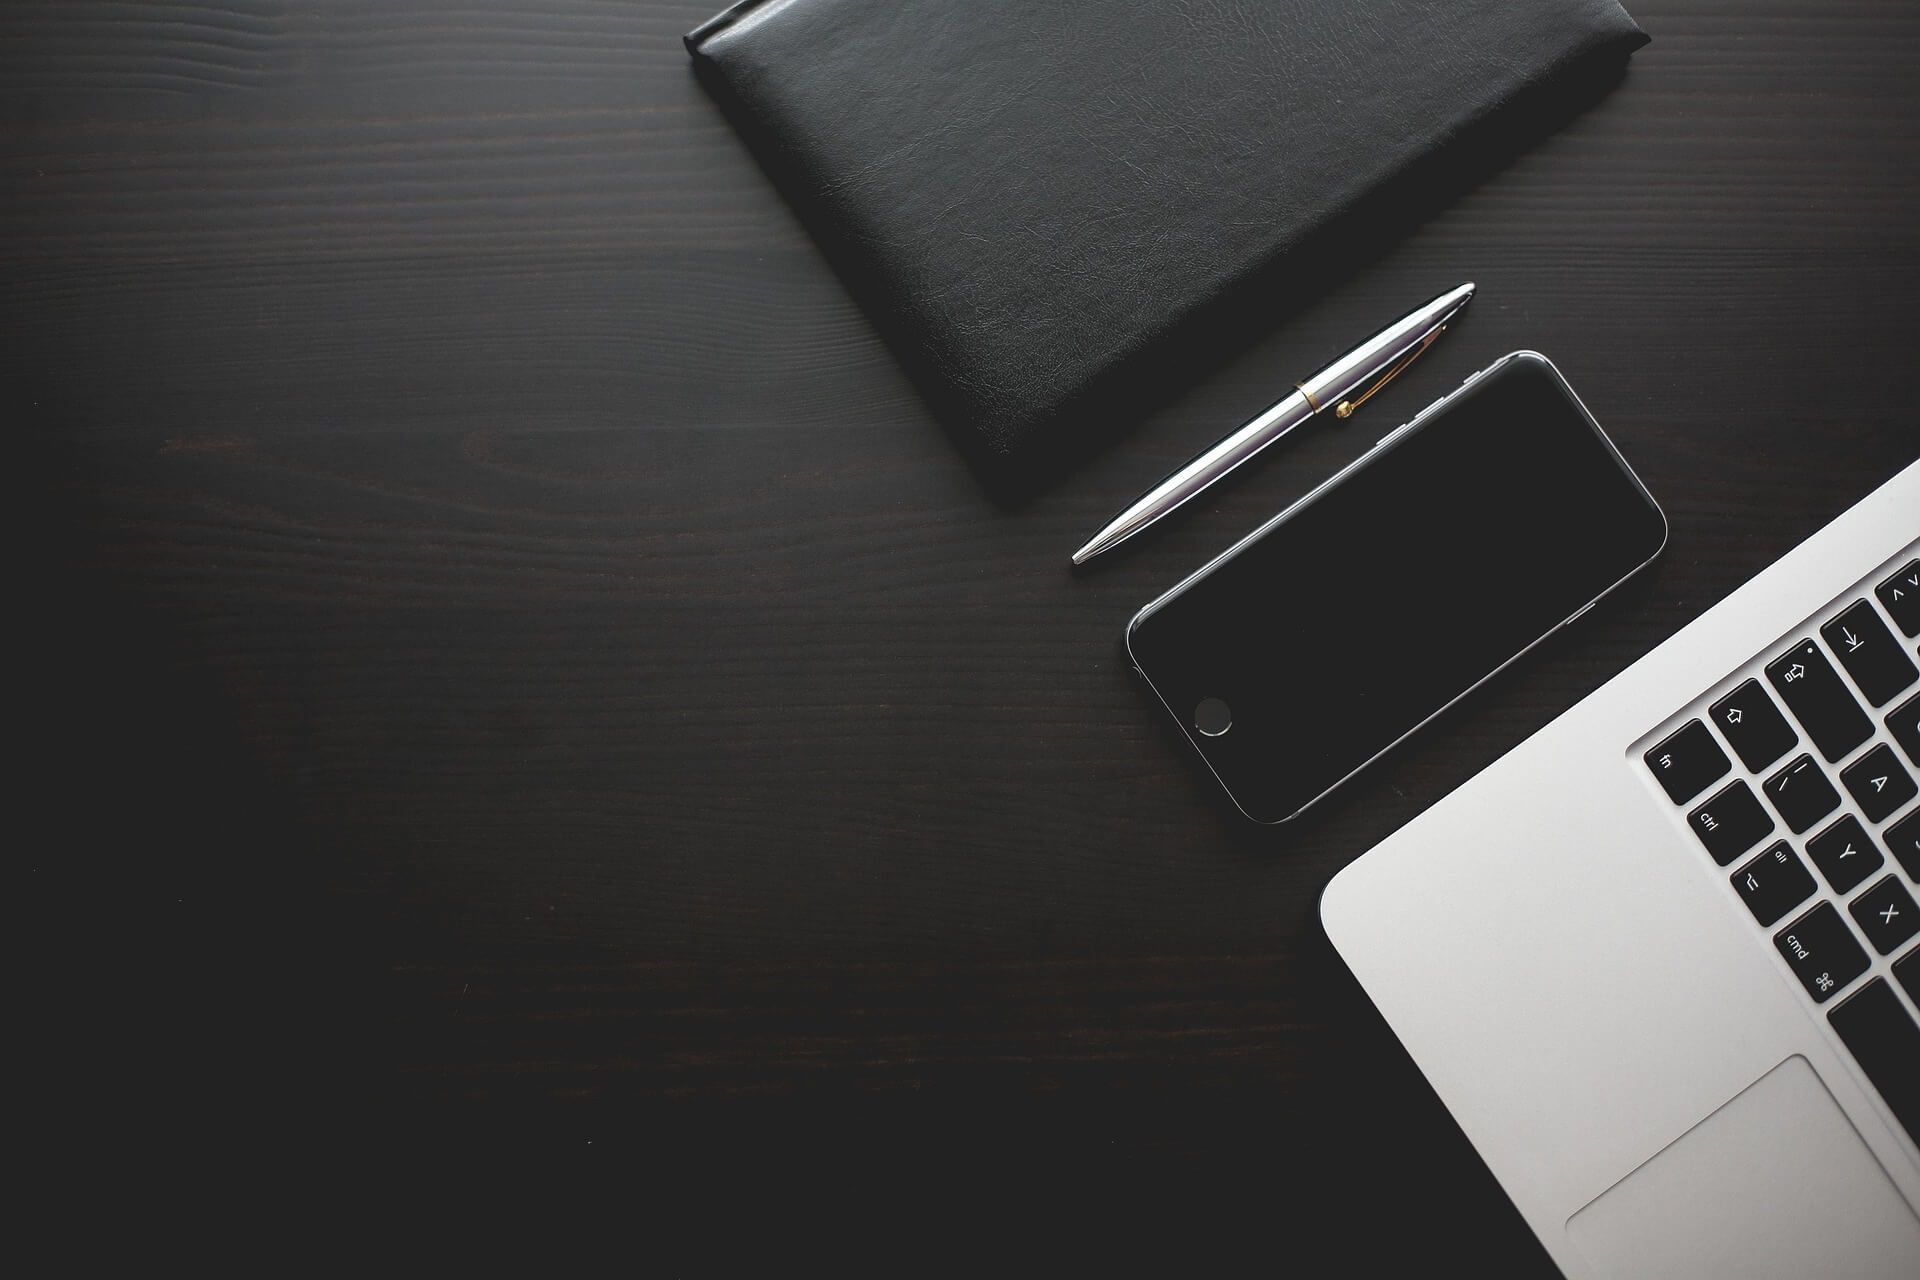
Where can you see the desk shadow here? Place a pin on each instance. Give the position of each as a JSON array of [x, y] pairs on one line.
[[1401, 1143]]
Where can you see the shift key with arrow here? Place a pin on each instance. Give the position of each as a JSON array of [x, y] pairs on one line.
[[1819, 700], [1753, 726]]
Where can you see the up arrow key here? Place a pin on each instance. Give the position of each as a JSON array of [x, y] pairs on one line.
[[1901, 596]]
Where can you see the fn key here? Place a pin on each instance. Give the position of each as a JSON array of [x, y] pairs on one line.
[[1885, 1042], [1687, 761]]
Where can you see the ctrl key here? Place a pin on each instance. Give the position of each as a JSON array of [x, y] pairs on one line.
[[1821, 950], [1730, 823]]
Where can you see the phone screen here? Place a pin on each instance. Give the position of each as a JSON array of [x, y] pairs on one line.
[[1366, 608]]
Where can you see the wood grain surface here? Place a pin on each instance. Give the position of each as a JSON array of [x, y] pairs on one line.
[[504, 649]]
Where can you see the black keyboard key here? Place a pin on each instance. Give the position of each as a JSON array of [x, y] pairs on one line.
[[1813, 691], [1802, 793], [1869, 652], [1903, 722], [1687, 761], [1878, 783], [1885, 1041], [1903, 837], [1845, 854], [1731, 823], [1773, 884], [1901, 596], [1907, 969], [1886, 914], [1822, 951], [1749, 720]]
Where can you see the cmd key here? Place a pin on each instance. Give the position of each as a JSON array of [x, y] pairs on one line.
[[1822, 952]]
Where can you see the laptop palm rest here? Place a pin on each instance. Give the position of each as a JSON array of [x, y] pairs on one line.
[[1765, 1186]]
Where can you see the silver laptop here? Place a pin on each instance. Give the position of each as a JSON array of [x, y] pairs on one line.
[[1662, 960]]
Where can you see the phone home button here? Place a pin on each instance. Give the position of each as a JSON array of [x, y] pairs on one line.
[[1212, 717]]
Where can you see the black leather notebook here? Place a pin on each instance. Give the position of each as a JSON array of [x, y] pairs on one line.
[[1053, 209]]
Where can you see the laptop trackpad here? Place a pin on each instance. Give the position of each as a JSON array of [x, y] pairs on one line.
[[1775, 1183]]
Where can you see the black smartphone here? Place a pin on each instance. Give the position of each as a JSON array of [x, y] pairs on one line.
[[1498, 514]]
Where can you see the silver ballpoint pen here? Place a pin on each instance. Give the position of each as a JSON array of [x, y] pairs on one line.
[[1378, 361]]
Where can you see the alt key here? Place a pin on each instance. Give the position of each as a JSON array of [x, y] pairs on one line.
[[1773, 884]]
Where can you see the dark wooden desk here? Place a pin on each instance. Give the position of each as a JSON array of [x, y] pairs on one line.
[[506, 651]]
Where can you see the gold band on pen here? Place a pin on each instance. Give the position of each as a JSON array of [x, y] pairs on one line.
[[1312, 403], [1346, 407]]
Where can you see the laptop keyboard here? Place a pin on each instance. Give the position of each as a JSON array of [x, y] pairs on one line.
[[1800, 781]]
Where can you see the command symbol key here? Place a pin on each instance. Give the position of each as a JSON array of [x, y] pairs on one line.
[[1822, 952]]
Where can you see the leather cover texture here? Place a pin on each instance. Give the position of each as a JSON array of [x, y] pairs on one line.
[[1040, 201]]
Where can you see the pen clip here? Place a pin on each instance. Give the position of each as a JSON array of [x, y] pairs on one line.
[[1346, 407]]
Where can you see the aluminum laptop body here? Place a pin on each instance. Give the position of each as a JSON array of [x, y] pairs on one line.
[[1649, 1070]]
